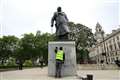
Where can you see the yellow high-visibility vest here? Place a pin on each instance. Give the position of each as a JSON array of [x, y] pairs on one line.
[[59, 55]]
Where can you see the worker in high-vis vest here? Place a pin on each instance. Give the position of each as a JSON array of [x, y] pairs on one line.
[[60, 57]]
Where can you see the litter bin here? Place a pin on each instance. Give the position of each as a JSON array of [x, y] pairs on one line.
[[89, 77]]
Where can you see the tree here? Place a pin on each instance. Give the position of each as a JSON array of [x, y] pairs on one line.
[[8, 46], [27, 47], [41, 44], [83, 37], [31, 47]]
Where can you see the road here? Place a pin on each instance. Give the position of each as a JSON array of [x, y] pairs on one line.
[[41, 74]]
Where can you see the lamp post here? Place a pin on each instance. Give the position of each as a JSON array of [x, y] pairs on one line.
[[104, 52]]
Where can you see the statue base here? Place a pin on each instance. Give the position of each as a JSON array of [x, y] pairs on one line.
[[69, 66]]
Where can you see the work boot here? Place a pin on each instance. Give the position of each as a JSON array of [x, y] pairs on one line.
[[56, 76], [59, 76]]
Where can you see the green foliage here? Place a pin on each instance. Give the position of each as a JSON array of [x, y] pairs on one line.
[[41, 44], [29, 47], [84, 39], [82, 35], [34, 46], [82, 56], [8, 45], [11, 62], [28, 63]]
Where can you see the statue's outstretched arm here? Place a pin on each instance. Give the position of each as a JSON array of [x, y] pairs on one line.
[[66, 17], [52, 20]]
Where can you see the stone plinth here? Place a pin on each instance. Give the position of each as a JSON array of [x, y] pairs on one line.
[[69, 66]]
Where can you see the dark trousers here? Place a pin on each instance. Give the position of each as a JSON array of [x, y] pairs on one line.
[[58, 68], [20, 66], [41, 64]]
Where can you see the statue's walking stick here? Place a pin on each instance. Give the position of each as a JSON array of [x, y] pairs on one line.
[[51, 30]]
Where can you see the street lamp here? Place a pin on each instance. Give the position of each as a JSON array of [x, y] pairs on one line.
[[104, 52]]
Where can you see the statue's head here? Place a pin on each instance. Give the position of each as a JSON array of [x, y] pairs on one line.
[[59, 9]]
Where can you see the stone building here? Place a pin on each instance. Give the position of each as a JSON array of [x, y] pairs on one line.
[[107, 47]]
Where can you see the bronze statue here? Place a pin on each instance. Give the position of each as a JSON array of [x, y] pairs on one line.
[[61, 24]]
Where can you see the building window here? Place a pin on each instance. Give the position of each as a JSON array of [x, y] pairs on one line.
[[117, 37], [113, 40], [109, 60], [109, 41], [111, 53], [115, 46], [113, 59], [119, 45], [98, 59], [108, 54], [116, 58], [110, 47], [107, 48]]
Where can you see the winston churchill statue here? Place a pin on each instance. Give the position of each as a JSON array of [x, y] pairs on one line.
[[61, 24]]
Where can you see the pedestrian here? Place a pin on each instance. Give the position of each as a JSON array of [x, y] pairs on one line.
[[20, 64], [17, 62], [60, 58], [41, 61]]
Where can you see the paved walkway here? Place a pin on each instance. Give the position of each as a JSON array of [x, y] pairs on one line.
[[41, 74]]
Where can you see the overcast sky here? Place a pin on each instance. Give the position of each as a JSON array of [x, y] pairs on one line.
[[24, 16]]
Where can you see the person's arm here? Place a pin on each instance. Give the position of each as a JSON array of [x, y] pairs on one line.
[[56, 49], [63, 57]]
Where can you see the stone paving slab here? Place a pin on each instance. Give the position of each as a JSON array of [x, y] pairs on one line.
[[30, 74], [101, 74], [42, 74]]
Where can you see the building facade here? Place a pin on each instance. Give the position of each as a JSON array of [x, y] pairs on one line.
[[107, 48]]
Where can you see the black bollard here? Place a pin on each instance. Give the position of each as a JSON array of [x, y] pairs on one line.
[[89, 77]]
